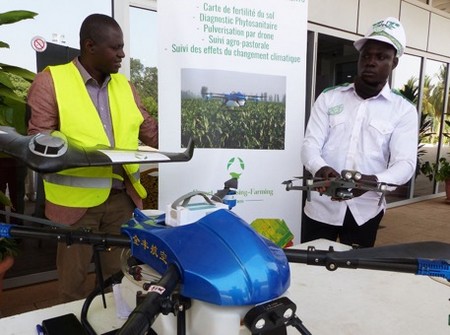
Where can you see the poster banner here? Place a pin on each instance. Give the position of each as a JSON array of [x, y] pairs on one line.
[[231, 76]]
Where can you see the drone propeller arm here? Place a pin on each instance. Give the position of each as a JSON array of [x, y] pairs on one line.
[[311, 256], [399, 259], [145, 313], [142, 317], [68, 236]]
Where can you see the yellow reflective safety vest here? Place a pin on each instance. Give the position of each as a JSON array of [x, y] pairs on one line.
[[80, 122]]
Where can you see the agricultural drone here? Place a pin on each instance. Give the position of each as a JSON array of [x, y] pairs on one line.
[[339, 188], [233, 99], [218, 261]]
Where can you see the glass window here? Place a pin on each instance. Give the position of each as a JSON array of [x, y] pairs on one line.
[[442, 5], [445, 136], [337, 62], [406, 80], [143, 56], [143, 34], [431, 113]]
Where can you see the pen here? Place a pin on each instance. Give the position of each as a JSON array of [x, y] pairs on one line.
[[39, 329]]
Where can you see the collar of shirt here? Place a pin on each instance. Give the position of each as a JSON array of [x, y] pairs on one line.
[[99, 97], [86, 76], [385, 92]]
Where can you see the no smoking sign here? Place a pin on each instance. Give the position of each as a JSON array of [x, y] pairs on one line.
[[38, 43]]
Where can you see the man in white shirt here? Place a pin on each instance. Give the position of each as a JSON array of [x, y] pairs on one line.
[[364, 126]]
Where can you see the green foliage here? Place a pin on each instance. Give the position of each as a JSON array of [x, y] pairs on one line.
[[8, 247], [4, 200], [446, 132], [424, 134], [14, 83], [257, 125], [410, 90], [145, 79], [440, 171], [430, 105], [15, 16]]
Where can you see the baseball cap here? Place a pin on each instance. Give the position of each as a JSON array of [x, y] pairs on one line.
[[389, 30]]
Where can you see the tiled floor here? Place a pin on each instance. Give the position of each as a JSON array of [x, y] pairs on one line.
[[421, 221]]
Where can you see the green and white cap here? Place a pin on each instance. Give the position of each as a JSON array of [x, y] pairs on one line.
[[389, 30]]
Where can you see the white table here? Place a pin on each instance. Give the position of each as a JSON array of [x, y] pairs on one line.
[[343, 302], [357, 301]]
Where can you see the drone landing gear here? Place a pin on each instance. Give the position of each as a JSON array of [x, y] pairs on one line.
[[272, 318], [175, 304]]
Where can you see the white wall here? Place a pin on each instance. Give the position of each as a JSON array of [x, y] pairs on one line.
[[372, 11], [416, 21], [426, 29], [439, 40], [340, 14]]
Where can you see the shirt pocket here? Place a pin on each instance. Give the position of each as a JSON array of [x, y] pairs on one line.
[[382, 127], [336, 120], [336, 132], [379, 136]]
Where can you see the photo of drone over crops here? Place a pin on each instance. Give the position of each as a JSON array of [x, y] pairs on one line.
[[234, 110]]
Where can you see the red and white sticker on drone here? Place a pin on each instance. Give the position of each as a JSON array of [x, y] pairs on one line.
[[158, 289]]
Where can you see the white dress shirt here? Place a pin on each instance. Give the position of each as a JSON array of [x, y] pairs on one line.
[[376, 136]]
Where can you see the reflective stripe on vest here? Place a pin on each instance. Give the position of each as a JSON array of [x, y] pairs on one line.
[[79, 181], [134, 178], [74, 181], [81, 124]]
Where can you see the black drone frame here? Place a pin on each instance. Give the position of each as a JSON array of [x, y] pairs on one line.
[[46, 153]]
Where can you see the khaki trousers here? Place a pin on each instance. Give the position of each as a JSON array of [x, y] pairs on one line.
[[73, 262]]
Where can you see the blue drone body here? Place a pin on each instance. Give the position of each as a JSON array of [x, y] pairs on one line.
[[233, 99], [222, 260]]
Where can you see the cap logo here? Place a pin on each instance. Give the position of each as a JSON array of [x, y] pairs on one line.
[[382, 25], [382, 29]]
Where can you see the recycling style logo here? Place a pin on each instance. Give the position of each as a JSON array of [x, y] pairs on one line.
[[235, 167]]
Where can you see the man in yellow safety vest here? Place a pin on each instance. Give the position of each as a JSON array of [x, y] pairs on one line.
[[91, 104]]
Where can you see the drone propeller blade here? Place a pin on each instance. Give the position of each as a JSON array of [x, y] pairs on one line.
[[45, 153], [215, 95], [256, 98], [391, 185], [313, 179], [427, 250]]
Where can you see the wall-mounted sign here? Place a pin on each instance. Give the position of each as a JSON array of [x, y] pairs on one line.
[[38, 43]]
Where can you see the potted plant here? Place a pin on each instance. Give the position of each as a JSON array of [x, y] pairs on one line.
[[8, 247], [14, 81], [440, 171], [8, 250]]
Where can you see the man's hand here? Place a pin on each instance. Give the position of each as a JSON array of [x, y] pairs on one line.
[[325, 173], [365, 179]]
